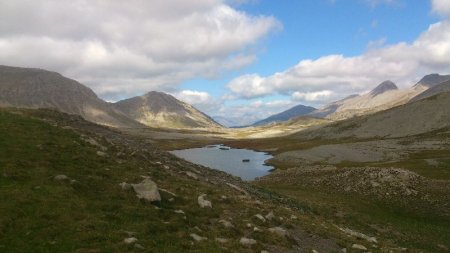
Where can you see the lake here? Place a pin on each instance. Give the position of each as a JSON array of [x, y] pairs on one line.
[[244, 163]]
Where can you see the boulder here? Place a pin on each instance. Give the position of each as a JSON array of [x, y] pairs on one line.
[[202, 202], [260, 217], [226, 224], [359, 246], [130, 240], [61, 177], [197, 238], [278, 231], [147, 190], [247, 241]]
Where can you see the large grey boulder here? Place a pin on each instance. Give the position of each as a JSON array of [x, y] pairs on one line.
[[147, 190]]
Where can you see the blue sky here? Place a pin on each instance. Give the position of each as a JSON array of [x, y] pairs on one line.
[[238, 59]]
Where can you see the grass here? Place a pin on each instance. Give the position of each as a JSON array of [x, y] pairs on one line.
[[93, 213], [409, 225]]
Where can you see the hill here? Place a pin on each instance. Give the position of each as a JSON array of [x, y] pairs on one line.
[[161, 110]]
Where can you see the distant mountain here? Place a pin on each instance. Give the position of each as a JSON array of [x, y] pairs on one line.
[[161, 110], [422, 116], [37, 88], [295, 111], [432, 80], [227, 122], [386, 95]]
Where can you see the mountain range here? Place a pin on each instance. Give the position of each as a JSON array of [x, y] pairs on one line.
[[37, 88]]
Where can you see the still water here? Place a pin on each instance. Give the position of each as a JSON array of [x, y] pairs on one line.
[[244, 163]]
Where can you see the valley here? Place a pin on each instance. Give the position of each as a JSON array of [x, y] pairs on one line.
[[374, 179]]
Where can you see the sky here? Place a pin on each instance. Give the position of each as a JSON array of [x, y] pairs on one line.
[[242, 60]]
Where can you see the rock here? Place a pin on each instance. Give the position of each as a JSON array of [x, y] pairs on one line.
[[237, 188], [101, 153], [358, 235], [247, 241], [192, 174], [166, 191], [256, 229], [278, 231], [130, 240], [125, 186], [179, 211], [202, 202], [147, 190], [264, 251], [293, 217], [260, 217], [359, 246], [442, 247], [222, 240], [270, 216], [315, 251], [226, 224], [61, 177], [197, 238], [138, 246]]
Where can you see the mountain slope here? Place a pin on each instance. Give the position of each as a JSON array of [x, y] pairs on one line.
[[293, 112], [415, 118], [37, 88], [436, 89], [386, 95], [161, 110]]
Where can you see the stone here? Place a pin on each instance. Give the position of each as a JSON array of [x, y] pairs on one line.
[[61, 177], [270, 216], [138, 246], [197, 238], [358, 235], [260, 217], [222, 240], [130, 240], [264, 251], [226, 224], [192, 175], [147, 190], [101, 153], [247, 241], [237, 188], [315, 251], [179, 211], [358, 246], [278, 231], [202, 202], [125, 186]]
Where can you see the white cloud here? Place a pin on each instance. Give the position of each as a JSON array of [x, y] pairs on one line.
[[441, 6], [312, 96], [402, 63], [130, 47]]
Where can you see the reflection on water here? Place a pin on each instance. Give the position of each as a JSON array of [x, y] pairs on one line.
[[244, 163]]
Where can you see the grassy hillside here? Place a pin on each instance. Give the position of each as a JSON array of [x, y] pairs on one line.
[[90, 212]]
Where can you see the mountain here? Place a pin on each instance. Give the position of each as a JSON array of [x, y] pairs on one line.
[[161, 110], [384, 96], [37, 88], [431, 80], [383, 87], [423, 116], [227, 122], [436, 89], [295, 111]]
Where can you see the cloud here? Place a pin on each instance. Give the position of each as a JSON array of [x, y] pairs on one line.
[[312, 96], [341, 75], [441, 6], [130, 47]]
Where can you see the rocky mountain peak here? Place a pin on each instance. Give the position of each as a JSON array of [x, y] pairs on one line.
[[383, 87]]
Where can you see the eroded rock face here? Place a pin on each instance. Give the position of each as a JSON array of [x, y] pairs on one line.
[[147, 190]]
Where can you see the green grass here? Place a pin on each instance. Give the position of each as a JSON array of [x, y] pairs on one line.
[[413, 225]]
